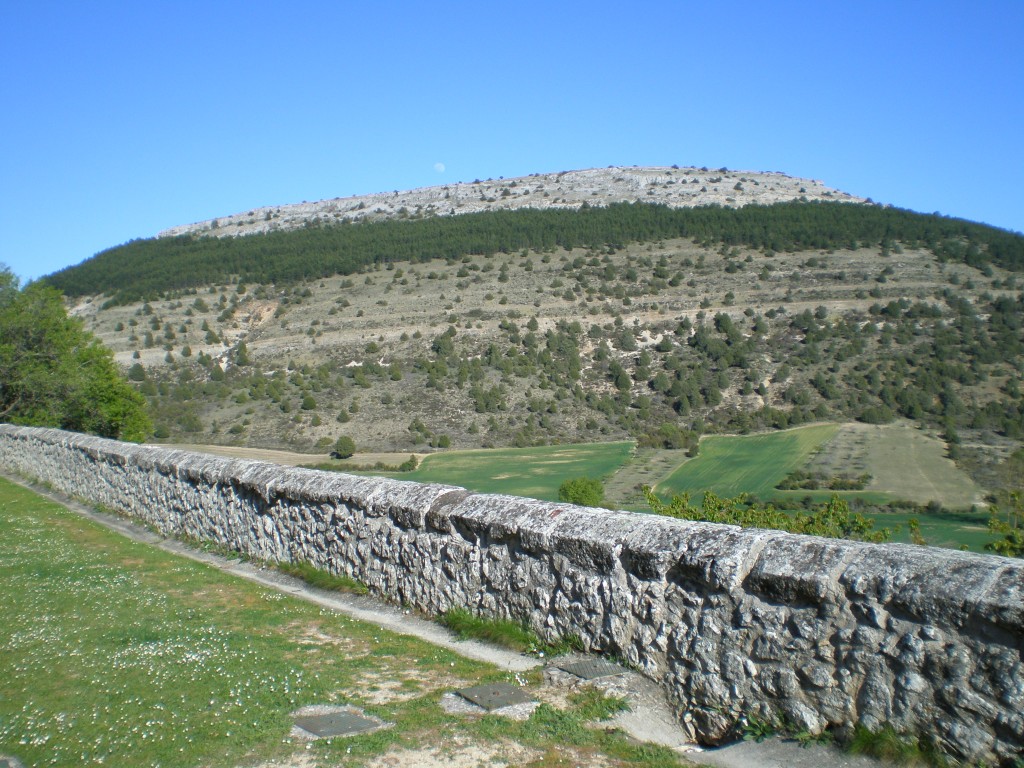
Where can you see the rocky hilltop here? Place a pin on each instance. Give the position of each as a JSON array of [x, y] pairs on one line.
[[671, 186]]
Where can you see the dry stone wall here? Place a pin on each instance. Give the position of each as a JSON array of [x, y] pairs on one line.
[[731, 622]]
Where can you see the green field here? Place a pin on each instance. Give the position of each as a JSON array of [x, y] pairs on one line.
[[949, 528], [114, 652], [533, 472], [752, 464], [904, 464]]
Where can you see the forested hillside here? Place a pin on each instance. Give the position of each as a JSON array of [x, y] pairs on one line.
[[533, 326], [147, 269]]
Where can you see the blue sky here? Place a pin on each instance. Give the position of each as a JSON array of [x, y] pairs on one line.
[[119, 119]]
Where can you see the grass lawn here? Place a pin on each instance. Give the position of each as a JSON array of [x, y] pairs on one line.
[[113, 652], [533, 472], [753, 464]]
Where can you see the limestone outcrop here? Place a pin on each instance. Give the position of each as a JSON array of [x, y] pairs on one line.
[[674, 187]]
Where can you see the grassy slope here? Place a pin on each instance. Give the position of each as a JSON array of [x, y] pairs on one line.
[[427, 298], [535, 472], [392, 315], [114, 652], [752, 464]]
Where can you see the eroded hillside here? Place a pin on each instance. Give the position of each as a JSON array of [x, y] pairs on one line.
[[561, 308], [657, 341]]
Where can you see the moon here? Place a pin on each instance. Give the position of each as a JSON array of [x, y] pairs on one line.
[[439, 167]]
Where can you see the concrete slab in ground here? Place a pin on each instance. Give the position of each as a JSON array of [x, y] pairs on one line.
[[592, 669], [492, 696], [337, 724]]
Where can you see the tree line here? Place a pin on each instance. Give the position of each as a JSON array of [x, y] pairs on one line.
[[146, 269]]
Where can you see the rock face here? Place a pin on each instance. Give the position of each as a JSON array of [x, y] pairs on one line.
[[731, 622], [674, 187]]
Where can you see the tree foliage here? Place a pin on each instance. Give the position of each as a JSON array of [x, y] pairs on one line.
[[1010, 533], [585, 491], [1006, 520], [345, 447], [832, 520], [54, 373], [147, 268]]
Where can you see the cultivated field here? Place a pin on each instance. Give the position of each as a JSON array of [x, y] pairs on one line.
[[752, 464], [904, 462], [533, 472], [113, 652]]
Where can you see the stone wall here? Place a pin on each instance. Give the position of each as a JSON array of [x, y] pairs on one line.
[[730, 621]]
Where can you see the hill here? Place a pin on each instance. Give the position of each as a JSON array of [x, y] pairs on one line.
[[523, 327], [309, 240], [567, 190]]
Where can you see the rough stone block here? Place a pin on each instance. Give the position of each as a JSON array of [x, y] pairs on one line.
[[799, 569], [719, 556]]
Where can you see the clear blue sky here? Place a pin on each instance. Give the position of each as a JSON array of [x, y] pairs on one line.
[[118, 119]]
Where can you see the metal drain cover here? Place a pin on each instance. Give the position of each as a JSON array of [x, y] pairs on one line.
[[494, 696], [592, 669], [336, 724]]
